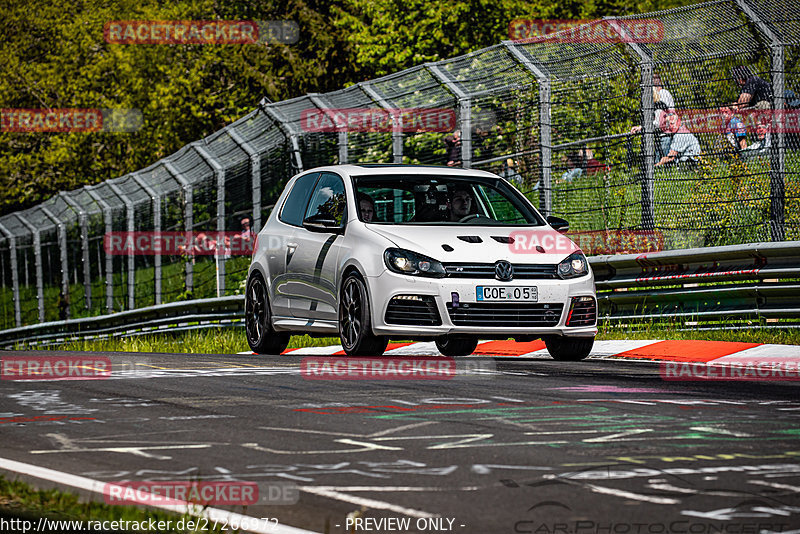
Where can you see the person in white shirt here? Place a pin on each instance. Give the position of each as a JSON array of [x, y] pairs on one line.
[[684, 146]]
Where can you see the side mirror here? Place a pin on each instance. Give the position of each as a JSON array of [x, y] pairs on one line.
[[559, 225], [325, 226]]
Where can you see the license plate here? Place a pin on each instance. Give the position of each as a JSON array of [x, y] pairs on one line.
[[523, 294]]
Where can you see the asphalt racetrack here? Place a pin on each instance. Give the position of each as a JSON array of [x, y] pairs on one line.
[[522, 445]]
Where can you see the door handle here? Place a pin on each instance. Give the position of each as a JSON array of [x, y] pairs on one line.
[[290, 248]]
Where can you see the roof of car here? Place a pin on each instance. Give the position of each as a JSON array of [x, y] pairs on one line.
[[366, 169]]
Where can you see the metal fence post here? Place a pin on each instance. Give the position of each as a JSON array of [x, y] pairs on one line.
[[37, 257], [397, 127], [545, 122], [12, 250], [322, 103], [465, 105], [83, 221], [156, 199], [288, 128], [131, 258], [187, 217], [777, 173], [255, 174], [219, 172], [109, 260], [648, 110], [62, 246]]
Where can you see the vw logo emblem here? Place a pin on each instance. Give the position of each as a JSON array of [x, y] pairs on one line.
[[503, 271]]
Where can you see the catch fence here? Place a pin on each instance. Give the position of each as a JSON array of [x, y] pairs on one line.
[[570, 120]]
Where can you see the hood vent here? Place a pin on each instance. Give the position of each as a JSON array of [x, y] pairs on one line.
[[471, 238], [447, 247], [508, 240]]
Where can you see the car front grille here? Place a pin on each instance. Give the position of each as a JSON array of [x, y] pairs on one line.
[[505, 314], [583, 312], [486, 270], [413, 310]]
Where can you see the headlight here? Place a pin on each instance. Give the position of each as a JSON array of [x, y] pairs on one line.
[[573, 266], [403, 261]]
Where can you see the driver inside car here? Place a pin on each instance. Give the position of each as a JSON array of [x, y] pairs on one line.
[[460, 204]]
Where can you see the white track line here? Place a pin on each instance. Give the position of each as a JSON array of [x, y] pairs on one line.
[[369, 503], [96, 486]]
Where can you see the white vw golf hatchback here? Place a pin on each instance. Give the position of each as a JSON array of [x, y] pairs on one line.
[[372, 252]]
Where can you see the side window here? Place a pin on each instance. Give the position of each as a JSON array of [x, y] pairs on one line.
[[295, 205], [328, 201], [500, 207]]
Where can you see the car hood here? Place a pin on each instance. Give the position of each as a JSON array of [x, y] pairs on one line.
[[532, 245]]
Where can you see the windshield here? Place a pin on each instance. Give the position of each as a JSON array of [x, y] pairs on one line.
[[425, 200]]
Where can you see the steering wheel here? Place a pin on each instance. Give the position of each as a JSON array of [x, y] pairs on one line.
[[470, 217]]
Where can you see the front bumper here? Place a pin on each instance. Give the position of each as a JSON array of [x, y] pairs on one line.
[[556, 293]]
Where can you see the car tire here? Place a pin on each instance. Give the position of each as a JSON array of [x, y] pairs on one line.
[[355, 328], [457, 345], [261, 336], [568, 349]]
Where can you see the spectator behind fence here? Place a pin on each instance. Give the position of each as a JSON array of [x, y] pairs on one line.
[[480, 139], [762, 144], [684, 147], [453, 144], [663, 102], [661, 108], [247, 233], [755, 92], [510, 173], [247, 236], [201, 244], [732, 130], [580, 162]]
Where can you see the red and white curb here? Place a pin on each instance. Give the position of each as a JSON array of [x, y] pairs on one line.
[[718, 352]]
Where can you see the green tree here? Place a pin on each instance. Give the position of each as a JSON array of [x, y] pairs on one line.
[[391, 35], [55, 56]]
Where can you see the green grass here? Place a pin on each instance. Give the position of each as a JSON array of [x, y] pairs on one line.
[[232, 340], [22, 501], [206, 341], [786, 336]]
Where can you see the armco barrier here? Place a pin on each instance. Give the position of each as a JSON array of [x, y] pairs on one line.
[[172, 317], [755, 284], [752, 284]]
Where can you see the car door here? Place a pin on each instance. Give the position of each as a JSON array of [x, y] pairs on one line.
[[312, 267], [280, 242]]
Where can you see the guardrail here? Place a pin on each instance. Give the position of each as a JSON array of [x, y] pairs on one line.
[[756, 284], [172, 317], [751, 285]]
